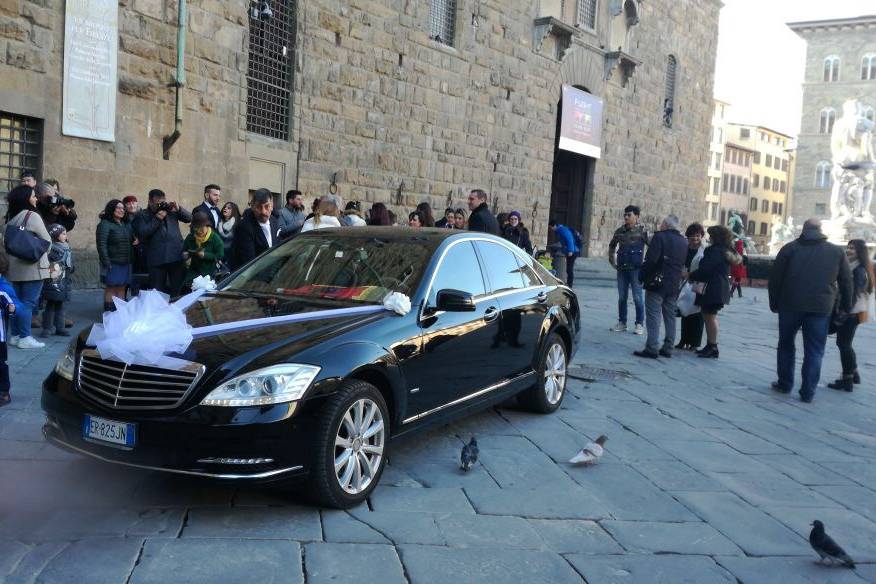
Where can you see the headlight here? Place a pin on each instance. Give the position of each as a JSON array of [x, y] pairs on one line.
[[271, 385], [67, 363]]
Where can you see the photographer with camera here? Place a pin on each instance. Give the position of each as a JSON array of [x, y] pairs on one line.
[[157, 228], [54, 207]]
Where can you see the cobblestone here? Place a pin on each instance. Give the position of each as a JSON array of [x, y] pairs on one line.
[[707, 477]]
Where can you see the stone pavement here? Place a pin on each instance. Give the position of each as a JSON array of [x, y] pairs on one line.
[[708, 477]]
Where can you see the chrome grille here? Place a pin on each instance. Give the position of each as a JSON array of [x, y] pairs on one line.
[[134, 387]]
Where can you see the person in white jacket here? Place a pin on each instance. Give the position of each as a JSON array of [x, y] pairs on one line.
[[326, 214], [353, 215]]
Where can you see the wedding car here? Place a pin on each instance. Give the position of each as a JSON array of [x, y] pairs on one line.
[[297, 371]]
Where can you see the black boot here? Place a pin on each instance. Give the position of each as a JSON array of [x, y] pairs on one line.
[[708, 352], [846, 383], [856, 377]]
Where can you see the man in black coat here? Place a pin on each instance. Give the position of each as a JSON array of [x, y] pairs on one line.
[[157, 228], [481, 219], [210, 206], [661, 275], [809, 277], [257, 231]]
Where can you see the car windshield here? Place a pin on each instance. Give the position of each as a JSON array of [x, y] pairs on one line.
[[321, 266]]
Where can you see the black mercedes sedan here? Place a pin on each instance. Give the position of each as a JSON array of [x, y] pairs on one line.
[[320, 399]]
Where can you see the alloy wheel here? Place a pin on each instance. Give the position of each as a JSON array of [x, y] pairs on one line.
[[555, 373], [359, 444]]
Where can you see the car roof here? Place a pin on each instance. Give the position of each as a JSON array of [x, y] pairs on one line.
[[428, 235]]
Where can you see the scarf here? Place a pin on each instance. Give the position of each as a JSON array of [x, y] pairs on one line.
[[227, 227], [200, 241]]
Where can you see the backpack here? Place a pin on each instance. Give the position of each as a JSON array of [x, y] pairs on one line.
[[579, 239]]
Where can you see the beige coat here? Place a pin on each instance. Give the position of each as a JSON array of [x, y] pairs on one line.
[[20, 270]]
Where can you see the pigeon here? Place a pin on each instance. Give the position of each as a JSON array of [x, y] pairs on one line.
[[591, 453], [469, 455], [825, 547]]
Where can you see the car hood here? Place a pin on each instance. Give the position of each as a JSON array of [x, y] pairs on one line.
[[230, 351]]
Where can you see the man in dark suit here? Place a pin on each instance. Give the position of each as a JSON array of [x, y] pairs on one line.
[[157, 228], [481, 218], [257, 231], [210, 206]]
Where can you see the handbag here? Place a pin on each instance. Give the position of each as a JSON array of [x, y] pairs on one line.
[[22, 244], [687, 300], [655, 282]]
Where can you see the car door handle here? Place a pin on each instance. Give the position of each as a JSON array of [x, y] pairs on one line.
[[541, 297], [491, 314]]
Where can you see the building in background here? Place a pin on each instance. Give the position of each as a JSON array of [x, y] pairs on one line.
[[772, 161], [715, 163], [735, 181], [840, 65], [382, 101]]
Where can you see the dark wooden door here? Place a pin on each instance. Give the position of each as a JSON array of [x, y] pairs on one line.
[[567, 190]]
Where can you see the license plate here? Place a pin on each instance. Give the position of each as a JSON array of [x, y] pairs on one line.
[[110, 431]]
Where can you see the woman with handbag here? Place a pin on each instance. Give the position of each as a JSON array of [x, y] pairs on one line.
[[711, 282], [203, 249], [692, 324], [26, 235], [864, 280]]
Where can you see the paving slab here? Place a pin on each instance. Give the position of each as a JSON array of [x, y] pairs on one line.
[[772, 488], [628, 495], [568, 536], [632, 569], [436, 500], [856, 534], [754, 531], [401, 526], [94, 559], [371, 562], [802, 470], [859, 499], [342, 527], [711, 456], [299, 523], [745, 442], [673, 475], [549, 502], [671, 538], [429, 564], [208, 560], [465, 531], [797, 570]]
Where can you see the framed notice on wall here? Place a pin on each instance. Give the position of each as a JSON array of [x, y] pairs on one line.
[[581, 124], [91, 40]]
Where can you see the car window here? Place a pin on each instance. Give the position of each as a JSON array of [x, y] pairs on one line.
[[328, 267], [459, 271], [529, 277], [502, 268]]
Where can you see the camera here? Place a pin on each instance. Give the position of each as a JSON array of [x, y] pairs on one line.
[[61, 200], [164, 206]]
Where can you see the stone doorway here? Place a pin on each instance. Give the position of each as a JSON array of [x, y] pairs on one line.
[[572, 187]]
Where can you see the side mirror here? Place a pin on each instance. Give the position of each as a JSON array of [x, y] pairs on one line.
[[455, 301]]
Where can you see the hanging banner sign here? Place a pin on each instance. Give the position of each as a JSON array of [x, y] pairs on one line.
[[581, 124], [91, 39]]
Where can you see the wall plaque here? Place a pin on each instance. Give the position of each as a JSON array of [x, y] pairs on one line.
[[91, 40]]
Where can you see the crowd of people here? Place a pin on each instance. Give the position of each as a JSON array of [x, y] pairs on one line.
[[814, 286]]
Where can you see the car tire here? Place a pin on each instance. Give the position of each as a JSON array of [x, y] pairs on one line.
[[550, 386], [342, 431]]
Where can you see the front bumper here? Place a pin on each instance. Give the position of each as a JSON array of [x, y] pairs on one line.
[[256, 444]]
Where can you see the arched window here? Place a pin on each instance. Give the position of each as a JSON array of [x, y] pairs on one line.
[[822, 175], [868, 112], [669, 96], [868, 67], [828, 117], [831, 68], [442, 16], [585, 13]]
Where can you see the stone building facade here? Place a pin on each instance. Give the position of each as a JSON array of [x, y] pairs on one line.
[[379, 107], [840, 65], [715, 163], [771, 171]]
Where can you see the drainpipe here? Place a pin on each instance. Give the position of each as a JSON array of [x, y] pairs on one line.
[[180, 80]]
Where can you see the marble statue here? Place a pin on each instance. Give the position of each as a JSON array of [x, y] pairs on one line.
[[782, 233], [735, 224], [854, 166]]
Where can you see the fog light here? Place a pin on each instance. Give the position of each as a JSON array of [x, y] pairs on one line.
[[235, 461]]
